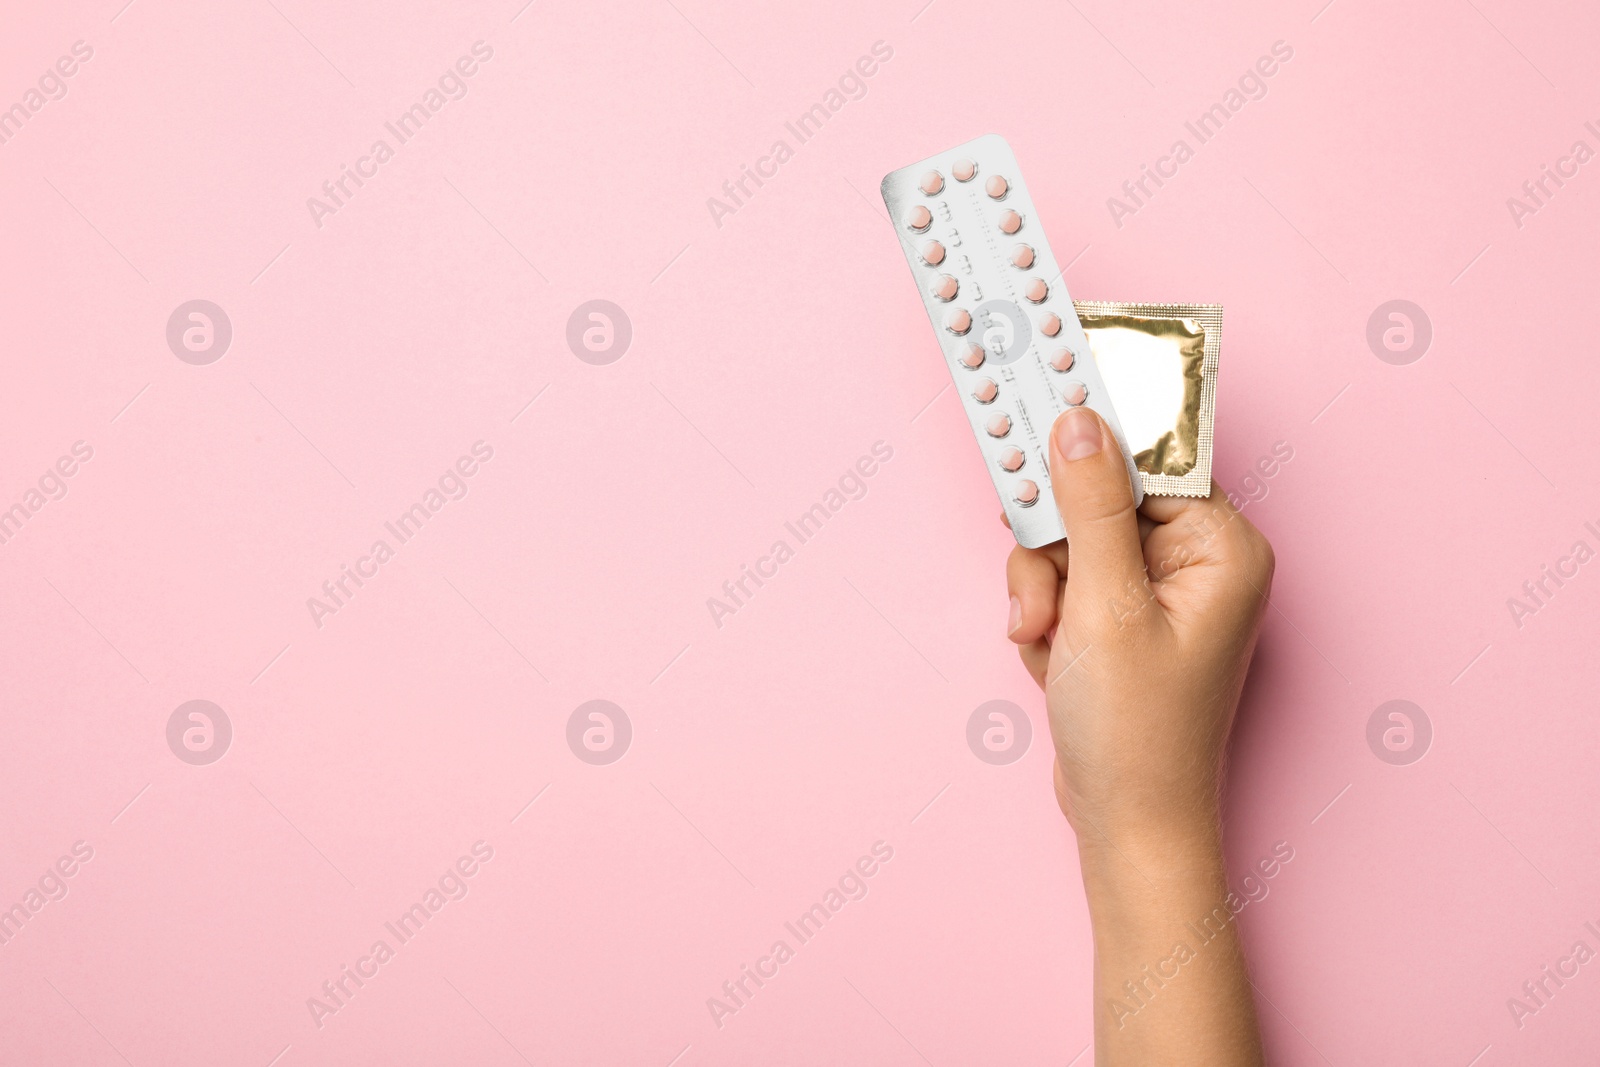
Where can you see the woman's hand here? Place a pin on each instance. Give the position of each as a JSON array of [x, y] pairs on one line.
[[1140, 636], [1141, 644]]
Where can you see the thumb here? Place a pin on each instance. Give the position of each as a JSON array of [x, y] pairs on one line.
[[1092, 492]]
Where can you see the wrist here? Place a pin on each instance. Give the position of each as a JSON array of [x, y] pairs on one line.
[[1169, 967], [1182, 840], [1171, 869]]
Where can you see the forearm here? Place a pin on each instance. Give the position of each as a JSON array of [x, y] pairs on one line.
[[1170, 979]]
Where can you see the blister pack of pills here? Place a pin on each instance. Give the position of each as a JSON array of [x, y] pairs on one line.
[[1005, 322]]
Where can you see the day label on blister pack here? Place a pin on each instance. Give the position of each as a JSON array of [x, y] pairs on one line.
[[1005, 322]]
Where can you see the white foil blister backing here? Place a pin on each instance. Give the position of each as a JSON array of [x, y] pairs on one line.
[[1004, 319]]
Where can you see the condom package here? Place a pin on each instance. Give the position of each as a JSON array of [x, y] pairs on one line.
[[1021, 351], [1159, 363]]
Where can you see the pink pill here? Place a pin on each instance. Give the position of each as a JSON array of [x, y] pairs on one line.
[[931, 182], [1010, 222], [933, 253], [958, 322], [1022, 257], [964, 170], [1027, 492], [999, 425], [986, 391], [944, 287], [1037, 290], [996, 187], [1074, 393], [1011, 459], [919, 218], [1050, 325], [1063, 360], [973, 357]]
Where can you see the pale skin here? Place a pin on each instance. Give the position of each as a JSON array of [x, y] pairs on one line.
[[1141, 647]]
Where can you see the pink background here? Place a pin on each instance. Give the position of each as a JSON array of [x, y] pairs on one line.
[[768, 354]]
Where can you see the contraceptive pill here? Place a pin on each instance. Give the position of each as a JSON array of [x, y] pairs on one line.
[[1008, 331]]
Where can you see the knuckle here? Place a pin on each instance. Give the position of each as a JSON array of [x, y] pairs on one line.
[[1266, 561], [1237, 531], [1021, 566], [1103, 507], [1256, 553]]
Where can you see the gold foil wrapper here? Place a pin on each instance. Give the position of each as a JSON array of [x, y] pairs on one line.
[[1159, 363]]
